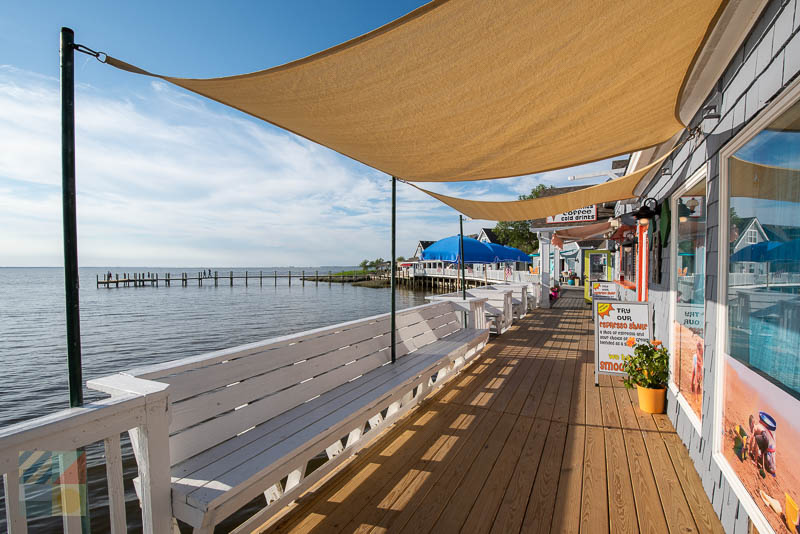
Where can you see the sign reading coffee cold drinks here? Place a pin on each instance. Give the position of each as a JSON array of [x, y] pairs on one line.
[[618, 327], [589, 213]]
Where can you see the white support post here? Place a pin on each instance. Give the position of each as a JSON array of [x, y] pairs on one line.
[[354, 436], [273, 493], [544, 270], [557, 264], [393, 409], [334, 449], [295, 477], [16, 516], [375, 420], [116, 492], [152, 442]]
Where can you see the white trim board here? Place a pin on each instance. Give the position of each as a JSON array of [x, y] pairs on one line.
[[699, 175]]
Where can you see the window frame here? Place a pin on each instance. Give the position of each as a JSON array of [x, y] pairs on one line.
[[785, 100], [698, 176]]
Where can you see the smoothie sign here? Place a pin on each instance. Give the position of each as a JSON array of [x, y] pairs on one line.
[[618, 328]]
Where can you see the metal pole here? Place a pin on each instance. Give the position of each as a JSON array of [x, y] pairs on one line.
[[71, 280], [461, 255], [394, 263], [70, 224]]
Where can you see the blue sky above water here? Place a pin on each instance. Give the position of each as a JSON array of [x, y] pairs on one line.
[[168, 178]]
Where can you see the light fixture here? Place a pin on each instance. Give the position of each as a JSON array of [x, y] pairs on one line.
[[710, 112], [630, 239], [645, 212], [683, 212]]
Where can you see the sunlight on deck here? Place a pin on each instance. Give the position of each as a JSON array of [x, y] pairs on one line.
[[522, 441]]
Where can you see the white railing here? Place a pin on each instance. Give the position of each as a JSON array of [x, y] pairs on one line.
[[145, 417], [753, 279], [494, 275]]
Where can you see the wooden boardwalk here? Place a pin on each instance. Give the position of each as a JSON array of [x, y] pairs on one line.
[[521, 441]]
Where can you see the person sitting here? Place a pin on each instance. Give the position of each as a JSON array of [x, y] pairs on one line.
[[762, 443]]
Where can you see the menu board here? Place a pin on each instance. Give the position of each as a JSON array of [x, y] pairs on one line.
[[619, 327], [606, 290]]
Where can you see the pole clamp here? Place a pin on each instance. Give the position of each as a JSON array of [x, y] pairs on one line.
[[83, 49]]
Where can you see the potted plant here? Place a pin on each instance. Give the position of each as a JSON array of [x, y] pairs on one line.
[[648, 370]]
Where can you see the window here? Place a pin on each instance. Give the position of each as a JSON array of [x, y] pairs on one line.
[[628, 263], [688, 285], [760, 320]]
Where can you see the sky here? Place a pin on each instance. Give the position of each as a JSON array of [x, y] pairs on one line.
[[168, 178]]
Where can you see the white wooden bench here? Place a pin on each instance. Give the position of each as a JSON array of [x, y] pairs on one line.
[[520, 299], [248, 421], [498, 307]]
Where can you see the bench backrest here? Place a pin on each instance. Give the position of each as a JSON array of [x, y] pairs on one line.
[[216, 396]]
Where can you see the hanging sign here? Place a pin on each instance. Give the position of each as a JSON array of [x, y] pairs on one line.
[[589, 213], [619, 327]]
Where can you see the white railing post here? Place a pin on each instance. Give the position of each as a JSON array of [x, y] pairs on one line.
[[16, 521], [152, 443]]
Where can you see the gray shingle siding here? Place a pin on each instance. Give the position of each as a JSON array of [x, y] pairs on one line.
[[768, 60]]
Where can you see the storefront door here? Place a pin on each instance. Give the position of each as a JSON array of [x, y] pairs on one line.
[[596, 265]]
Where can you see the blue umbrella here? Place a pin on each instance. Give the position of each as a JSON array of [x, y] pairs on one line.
[[499, 251], [504, 253], [447, 250], [789, 251], [515, 254], [758, 252]]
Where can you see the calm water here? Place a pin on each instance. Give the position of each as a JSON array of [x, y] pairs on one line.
[[127, 327]]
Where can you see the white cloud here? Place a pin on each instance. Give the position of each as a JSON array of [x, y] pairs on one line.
[[167, 179]]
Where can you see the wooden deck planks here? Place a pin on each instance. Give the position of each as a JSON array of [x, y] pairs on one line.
[[483, 511], [594, 497], [521, 441], [567, 516], [701, 508]]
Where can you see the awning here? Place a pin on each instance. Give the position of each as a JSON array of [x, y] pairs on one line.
[[579, 233], [471, 90], [537, 208]]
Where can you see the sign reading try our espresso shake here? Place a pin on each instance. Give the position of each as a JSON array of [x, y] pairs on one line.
[[619, 327]]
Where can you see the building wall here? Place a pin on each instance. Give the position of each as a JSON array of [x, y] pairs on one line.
[[767, 61]]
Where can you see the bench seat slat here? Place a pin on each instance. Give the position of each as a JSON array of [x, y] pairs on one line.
[[433, 354]]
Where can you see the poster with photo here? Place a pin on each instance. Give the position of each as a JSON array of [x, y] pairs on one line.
[[761, 442], [687, 358]]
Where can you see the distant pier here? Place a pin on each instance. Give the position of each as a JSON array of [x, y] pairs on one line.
[[145, 279]]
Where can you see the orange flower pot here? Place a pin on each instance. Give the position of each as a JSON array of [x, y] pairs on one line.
[[652, 400]]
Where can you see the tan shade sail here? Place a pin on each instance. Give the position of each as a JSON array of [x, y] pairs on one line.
[[479, 89], [753, 180], [538, 208]]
